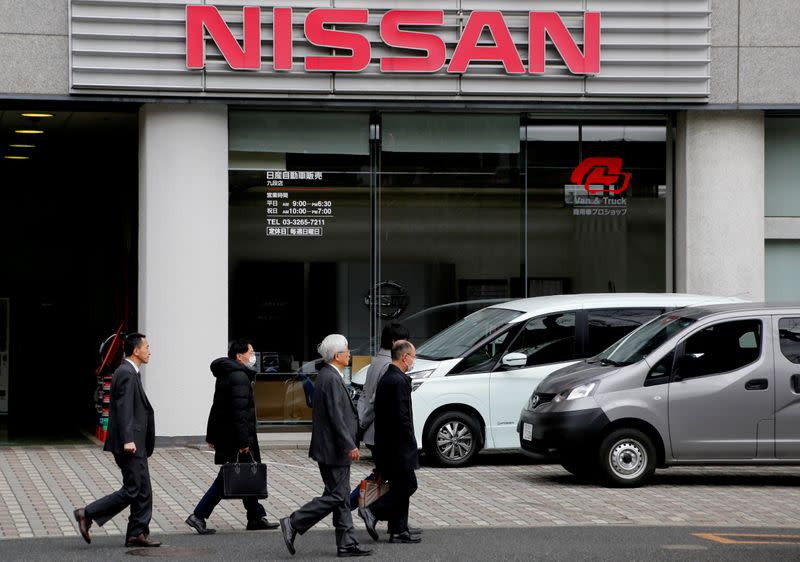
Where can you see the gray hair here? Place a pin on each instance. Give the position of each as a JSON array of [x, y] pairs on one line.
[[331, 345]]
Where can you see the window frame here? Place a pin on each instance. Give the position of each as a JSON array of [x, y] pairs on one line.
[[499, 367], [780, 338], [585, 313], [680, 350]]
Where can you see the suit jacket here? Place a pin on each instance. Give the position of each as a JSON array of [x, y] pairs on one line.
[[130, 415], [334, 419], [366, 404], [395, 444]]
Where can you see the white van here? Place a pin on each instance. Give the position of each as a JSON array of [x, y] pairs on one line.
[[471, 381]]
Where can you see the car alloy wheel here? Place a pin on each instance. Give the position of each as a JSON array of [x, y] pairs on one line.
[[454, 441], [452, 438]]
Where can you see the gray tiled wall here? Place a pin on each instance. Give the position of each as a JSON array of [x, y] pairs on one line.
[[34, 47]]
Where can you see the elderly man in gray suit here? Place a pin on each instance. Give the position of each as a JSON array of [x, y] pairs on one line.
[[334, 447]]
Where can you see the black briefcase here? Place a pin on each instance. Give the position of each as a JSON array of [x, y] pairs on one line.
[[242, 480]]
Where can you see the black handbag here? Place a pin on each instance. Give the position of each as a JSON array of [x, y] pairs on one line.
[[242, 480]]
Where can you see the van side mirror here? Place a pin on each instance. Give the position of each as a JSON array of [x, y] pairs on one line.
[[515, 360]]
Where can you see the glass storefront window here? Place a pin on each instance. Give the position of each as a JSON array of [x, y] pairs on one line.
[[580, 242], [299, 246], [344, 221], [782, 167], [449, 225]]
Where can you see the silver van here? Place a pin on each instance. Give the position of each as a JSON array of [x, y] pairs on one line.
[[716, 384]]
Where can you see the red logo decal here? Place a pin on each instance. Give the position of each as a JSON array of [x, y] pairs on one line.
[[605, 172]]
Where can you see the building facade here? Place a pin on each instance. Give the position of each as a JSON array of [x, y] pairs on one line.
[[284, 170]]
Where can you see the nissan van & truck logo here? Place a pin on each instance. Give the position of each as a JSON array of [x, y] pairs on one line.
[[605, 173]]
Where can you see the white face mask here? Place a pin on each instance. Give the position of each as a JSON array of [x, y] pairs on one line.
[[252, 361]]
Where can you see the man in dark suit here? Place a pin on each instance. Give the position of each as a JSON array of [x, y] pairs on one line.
[[131, 438], [396, 456], [334, 447]]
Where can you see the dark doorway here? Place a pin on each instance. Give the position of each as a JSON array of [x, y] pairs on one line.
[[68, 223]]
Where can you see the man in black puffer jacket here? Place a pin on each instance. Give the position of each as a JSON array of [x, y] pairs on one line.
[[232, 431]]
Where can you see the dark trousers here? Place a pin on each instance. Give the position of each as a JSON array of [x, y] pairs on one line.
[[206, 505], [335, 499], [135, 492], [393, 505]]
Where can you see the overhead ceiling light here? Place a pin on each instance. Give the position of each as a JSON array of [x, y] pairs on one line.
[[22, 145], [29, 131], [17, 157], [41, 115]]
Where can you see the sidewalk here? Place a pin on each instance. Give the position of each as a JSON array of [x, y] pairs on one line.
[[40, 486]]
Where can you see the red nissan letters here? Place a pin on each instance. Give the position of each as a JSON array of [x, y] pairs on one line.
[[358, 51]]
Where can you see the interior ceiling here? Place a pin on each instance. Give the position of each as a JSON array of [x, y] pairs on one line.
[[65, 130]]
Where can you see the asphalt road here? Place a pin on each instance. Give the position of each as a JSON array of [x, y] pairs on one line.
[[650, 544]]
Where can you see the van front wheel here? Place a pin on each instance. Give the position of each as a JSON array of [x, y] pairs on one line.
[[452, 439], [627, 458]]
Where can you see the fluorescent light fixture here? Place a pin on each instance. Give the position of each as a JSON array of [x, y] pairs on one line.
[[36, 114], [29, 131], [22, 145], [17, 157]]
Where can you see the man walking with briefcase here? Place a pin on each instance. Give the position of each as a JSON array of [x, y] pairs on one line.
[[232, 432], [396, 455]]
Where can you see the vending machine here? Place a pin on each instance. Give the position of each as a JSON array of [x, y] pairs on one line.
[[4, 346]]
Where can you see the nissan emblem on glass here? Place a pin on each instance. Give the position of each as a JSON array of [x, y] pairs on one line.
[[296, 205]]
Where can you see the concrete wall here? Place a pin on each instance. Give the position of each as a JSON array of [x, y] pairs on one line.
[[755, 52], [34, 47], [183, 257], [719, 207]]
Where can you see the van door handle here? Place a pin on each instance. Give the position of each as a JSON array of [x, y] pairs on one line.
[[795, 380], [757, 384]]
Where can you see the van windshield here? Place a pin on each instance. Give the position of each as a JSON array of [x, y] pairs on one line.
[[461, 336], [641, 342]]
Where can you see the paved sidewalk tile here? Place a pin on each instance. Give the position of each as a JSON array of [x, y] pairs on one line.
[[40, 486]]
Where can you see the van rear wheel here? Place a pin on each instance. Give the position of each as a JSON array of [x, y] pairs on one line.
[[627, 458], [452, 439]]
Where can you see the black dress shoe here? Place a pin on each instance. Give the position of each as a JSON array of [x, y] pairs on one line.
[[261, 524], [353, 550], [199, 525], [83, 524], [288, 533], [369, 521], [414, 530], [405, 537], [141, 540]]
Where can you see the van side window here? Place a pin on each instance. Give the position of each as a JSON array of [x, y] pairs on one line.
[[607, 326], [789, 333], [484, 358], [661, 371], [547, 339], [721, 348]]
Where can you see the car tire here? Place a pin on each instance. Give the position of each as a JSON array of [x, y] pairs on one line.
[[627, 458], [453, 438]]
